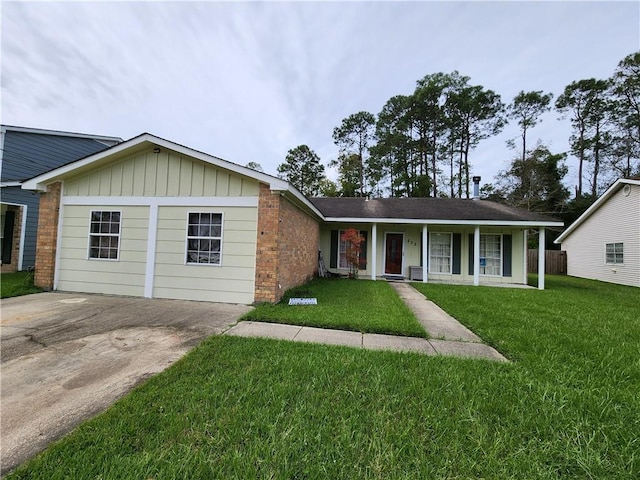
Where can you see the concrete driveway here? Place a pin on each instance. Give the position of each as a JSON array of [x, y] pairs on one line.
[[66, 357]]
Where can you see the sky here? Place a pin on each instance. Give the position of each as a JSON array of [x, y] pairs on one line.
[[247, 81]]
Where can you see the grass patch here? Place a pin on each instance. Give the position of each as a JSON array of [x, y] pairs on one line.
[[567, 407], [344, 304], [17, 284]]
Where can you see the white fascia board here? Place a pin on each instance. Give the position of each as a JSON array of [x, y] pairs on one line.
[[589, 211], [10, 184], [413, 221], [301, 198]]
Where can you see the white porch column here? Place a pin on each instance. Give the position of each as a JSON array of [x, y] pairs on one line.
[[476, 256], [541, 255], [374, 249], [425, 254], [525, 278]]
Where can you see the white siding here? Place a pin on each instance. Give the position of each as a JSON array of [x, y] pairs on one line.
[[124, 276], [617, 220], [231, 282]]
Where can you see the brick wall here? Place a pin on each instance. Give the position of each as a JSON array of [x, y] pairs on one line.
[[15, 241], [287, 246], [47, 238]]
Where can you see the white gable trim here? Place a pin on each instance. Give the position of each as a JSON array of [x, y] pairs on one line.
[[60, 133], [413, 221], [597, 204]]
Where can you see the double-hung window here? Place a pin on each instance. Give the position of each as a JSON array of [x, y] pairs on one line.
[[204, 238], [614, 253], [440, 253], [104, 235], [342, 251], [490, 254]]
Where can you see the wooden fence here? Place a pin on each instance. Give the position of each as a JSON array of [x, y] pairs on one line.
[[555, 262]]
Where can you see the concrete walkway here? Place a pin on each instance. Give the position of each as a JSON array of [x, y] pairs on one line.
[[448, 336]]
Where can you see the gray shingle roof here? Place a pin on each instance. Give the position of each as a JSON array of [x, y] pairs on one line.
[[27, 154], [424, 209]]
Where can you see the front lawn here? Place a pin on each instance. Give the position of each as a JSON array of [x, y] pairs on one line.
[[344, 304], [568, 406], [16, 284]]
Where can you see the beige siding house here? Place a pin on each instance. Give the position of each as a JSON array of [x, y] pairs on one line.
[[604, 242], [155, 219]]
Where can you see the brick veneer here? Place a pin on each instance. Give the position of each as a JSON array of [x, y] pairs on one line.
[[46, 242], [15, 241], [287, 246]]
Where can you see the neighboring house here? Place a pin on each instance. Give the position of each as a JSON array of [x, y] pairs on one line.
[[152, 218], [604, 242], [24, 153]]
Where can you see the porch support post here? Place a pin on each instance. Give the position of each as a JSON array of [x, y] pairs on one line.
[[374, 250], [541, 255], [425, 254], [525, 273], [476, 256]]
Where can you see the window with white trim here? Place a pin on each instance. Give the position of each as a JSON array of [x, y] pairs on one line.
[[204, 238], [440, 253], [491, 254], [104, 235], [614, 253], [342, 251]]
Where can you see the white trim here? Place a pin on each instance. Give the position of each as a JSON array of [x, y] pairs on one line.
[[603, 198], [501, 267], [541, 257], [414, 221], [374, 250], [425, 254], [56, 267], [23, 228], [384, 260], [150, 267], [3, 129], [99, 234], [525, 255], [164, 201], [476, 256], [187, 236], [10, 184]]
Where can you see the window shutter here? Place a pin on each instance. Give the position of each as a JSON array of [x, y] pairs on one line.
[[363, 251], [506, 255], [333, 255], [471, 254], [7, 240], [457, 254]]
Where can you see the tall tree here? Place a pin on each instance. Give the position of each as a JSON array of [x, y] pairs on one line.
[[589, 106], [535, 183], [526, 109], [302, 168], [626, 95], [474, 113], [354, 136], [255, 166]]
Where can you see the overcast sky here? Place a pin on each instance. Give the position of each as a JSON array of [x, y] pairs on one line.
[[249, 81]]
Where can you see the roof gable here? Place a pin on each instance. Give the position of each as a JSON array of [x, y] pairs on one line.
[[617, 185]]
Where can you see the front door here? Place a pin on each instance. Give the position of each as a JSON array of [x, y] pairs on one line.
[[393, 254]]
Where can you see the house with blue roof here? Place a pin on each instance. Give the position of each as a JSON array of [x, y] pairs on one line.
[[25, 153]]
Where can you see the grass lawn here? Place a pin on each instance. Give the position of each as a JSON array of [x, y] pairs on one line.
[[16, 284], [344, 304], [568, 406]]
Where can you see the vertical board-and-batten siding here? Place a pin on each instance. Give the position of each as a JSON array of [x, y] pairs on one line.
[[617, 220], [171, 185], [164, 174]]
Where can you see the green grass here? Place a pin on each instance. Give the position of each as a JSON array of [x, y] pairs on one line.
[[344, 304], [568, 406], [16, 284]]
